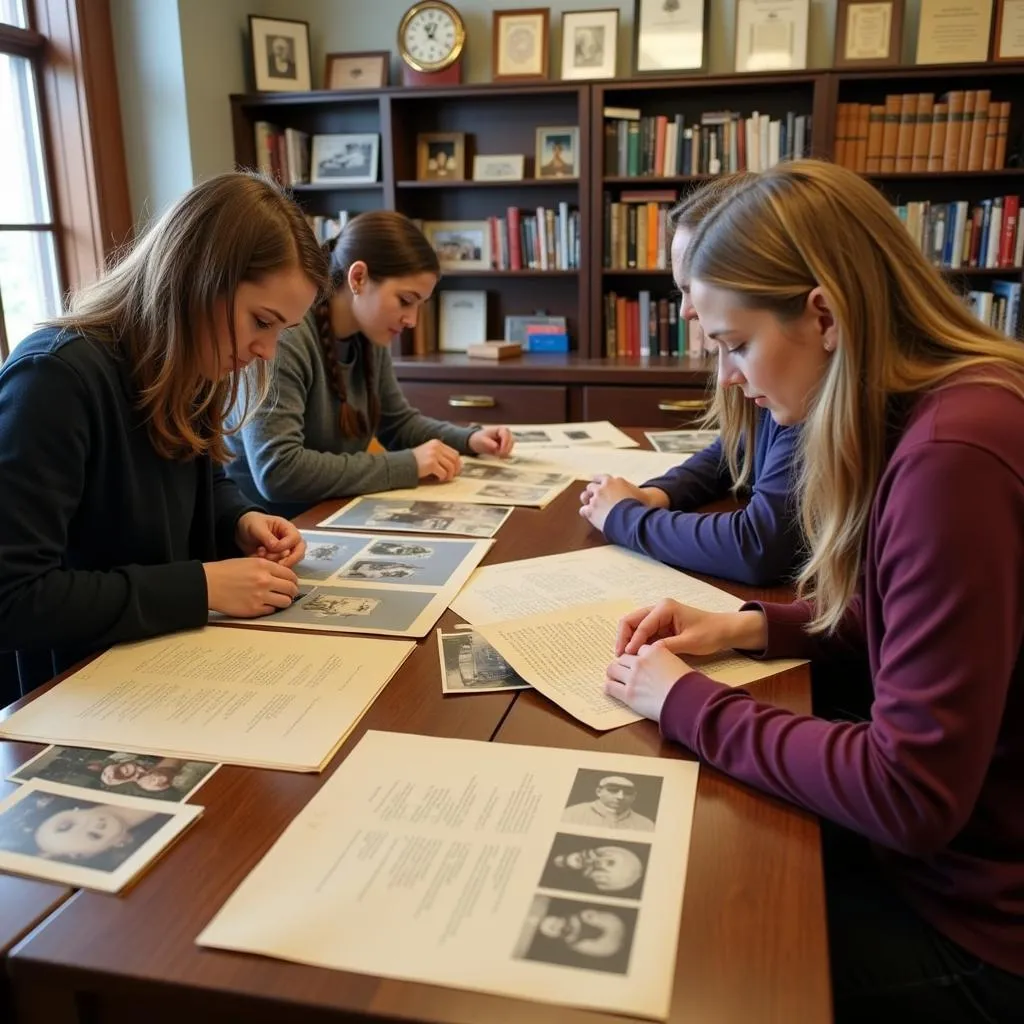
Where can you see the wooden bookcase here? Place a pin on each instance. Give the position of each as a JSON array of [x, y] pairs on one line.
[[500, 118]]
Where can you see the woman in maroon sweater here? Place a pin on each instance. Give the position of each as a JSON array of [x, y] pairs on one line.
[[912, 500]]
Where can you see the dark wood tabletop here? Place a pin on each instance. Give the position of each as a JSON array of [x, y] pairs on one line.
[[752, 940]]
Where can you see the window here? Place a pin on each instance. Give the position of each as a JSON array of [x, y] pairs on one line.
[[30, 285]]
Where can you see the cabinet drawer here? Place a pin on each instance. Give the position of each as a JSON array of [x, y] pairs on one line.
[[645, 406], [488, 403]]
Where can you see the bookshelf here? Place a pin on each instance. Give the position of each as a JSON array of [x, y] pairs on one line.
[[590, 382]]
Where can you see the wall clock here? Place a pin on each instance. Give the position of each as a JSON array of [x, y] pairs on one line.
[[431, 38]]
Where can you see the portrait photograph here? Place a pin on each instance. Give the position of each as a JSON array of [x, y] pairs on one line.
[[589, 44], [596, 867], [280, 54], [350, 71], [117, 771], [441, 156], [613, 801], [558, 152], [345, 159], [470, 664], [579, 934]]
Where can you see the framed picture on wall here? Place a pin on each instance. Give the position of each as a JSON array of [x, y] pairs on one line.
[[589, 42], [869, 33], [670, 37], [519, 46], [558, 152], [280, 54]]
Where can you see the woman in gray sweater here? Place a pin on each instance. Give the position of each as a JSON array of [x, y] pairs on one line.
[[334, 386]]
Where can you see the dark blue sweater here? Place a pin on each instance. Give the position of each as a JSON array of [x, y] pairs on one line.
[[102, 540], [757, 545]]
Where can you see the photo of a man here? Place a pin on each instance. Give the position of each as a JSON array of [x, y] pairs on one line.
[[613, 800], [593, 866], [280, 57]]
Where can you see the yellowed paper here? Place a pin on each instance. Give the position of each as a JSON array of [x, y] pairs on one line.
[[601, 433], [554, 583], [251, 697], [633, 465], [485, 481], [545, 874], [83, 838]]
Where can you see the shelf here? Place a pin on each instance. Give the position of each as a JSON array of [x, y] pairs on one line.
[[520, 183], [1004, 172], [340, 187], [455, 272], [985, 271], [636, 271], [649, 181]]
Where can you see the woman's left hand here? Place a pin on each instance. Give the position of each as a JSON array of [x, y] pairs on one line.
[[642, 681], [492, 441], [602, 494], [269, 537]]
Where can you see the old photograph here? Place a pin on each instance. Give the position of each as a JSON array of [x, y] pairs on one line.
[[596, 867], [345, 159], [470, 664], [357, 608], [514, 492], [574, 933], [686, 442], [399, 549], [108, 771], [326, 554], [374, 569], [531, 437], [613, 801], [420, 516]]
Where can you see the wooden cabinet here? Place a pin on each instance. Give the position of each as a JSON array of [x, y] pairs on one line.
[[666, 407], [479, 402]]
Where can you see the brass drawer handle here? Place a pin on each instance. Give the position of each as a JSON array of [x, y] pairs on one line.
[[472, 402], [683, 405]]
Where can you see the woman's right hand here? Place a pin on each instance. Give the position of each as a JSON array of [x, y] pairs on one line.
[[436, 459], [685, 630], [247, 587]]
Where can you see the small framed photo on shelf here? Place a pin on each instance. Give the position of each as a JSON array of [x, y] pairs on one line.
[[953, 31], [869, 33], [490, 167], [441, 156], [771, 35], [1008, 42], [344, 159], [519, 44], [589, 43], [280, 54], [350, 71], [558, 152], [460, 244], [462, 320], [670, 37]]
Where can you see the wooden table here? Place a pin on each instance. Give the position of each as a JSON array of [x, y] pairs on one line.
[[753, 945]]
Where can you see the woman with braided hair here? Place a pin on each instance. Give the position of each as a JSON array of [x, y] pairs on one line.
[[335, 388]]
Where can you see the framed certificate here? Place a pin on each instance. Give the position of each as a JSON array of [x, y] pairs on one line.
[[1009, 35], [771, 35], [670, 36], [954, 31], [869, 33]]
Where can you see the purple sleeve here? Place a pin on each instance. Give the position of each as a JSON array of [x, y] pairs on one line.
[[788, 636], [757, 545], [909, 778]]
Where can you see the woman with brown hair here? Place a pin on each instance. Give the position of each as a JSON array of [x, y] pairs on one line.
[[117, 521], [912, 500], [335, 387]]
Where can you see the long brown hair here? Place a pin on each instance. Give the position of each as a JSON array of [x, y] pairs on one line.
[[734, 416], [901, 332], [232, 228], [391, 246]]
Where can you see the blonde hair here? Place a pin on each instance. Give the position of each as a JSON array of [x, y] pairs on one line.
[[233, 228], [901, 332], [734, 416]]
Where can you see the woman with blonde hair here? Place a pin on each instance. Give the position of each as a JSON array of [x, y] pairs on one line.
[[912, 499], [758, 544], [117, 521]]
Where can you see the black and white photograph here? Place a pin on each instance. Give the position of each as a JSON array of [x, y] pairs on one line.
[[685, 442], [399, 549], [327, 554], [348, 71], [334, 606], [378, 569], [578, 435], [469, 664], [345, 159], [456, 517], [359, 608], [557, 152], [280, 54], [589, 43], [613, 801], [486, 471], [596, 867], [461, 245], [531, 437], [574, 933], [117, 771], [514, 492]]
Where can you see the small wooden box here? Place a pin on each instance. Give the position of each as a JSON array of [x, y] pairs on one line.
[[495, 350]]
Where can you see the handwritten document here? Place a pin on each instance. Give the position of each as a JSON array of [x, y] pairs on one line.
[[251, 697], [544, 874]]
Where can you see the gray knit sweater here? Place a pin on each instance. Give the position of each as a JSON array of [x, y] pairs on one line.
[[291, 453]]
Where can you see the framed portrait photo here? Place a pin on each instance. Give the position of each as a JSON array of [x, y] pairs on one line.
[[344, 159], [348, 71], [280, 54], [869, 33], [771, 35], [558, 152], [589, 43], [441, 156], [670, 37], [519, 44]]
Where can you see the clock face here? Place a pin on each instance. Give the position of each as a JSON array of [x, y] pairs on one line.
[[431, 37]]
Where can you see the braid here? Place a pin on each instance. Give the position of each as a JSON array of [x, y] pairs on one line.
[[353, 422]]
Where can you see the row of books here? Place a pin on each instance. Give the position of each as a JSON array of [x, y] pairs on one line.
[[541, 239], [283, 154], [966, 130], [636, 230], [722, 141], [648, 326], [959, 234], [999, 308], [326, 228]]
